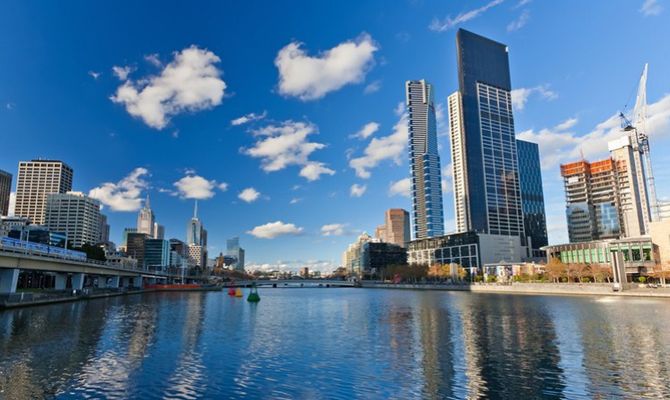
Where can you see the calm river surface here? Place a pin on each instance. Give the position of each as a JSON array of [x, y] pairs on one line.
[[338, 344]]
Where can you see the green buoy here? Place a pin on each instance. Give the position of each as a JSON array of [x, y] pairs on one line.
[[253, 295]]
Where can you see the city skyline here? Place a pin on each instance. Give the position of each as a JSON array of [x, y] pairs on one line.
[[216, 149]]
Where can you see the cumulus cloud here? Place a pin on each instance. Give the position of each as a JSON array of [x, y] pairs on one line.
[[447, 23], [560, 144], [196, 187], [519, 22], [293, 266], [272, 230], [248, 118], [122, 72], [402, 187], [520, 96], [312, 77], [333, 230], [190, 83], [366, 131], [249, 195], [650, 8], [280, 146], [357, 190], [124, 195], [390, 147]]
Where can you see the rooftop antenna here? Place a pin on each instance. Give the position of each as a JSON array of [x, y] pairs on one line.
[[195, 210]]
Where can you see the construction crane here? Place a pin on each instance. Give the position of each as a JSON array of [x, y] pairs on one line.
[[638, 132]]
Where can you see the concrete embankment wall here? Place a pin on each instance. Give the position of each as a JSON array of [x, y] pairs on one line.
[[590, 289]]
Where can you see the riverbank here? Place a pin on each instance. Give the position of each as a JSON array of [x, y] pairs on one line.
[[28, 299], [585, 289]]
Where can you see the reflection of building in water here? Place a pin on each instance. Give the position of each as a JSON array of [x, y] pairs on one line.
[[437, 349]]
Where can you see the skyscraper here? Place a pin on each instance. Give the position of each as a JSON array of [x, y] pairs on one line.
[[5, 191], [396, 227], [146, 219], [532, 196], [487, 195], [427, 211], [233, 249], [195, 232], [76, 215], [36, 180]]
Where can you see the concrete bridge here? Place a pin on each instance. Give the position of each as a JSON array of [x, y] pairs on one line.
[[13, 261], [279, 283]]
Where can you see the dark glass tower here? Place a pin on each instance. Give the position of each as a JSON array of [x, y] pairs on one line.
[[486, 173], [532, 196]]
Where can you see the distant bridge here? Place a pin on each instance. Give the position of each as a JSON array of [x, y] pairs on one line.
[[13, 261], [292, 283]]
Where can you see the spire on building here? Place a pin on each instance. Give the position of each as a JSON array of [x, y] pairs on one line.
[[147, 203], [195, 210]]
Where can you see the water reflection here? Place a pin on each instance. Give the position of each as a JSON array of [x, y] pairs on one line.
[[340, 344]]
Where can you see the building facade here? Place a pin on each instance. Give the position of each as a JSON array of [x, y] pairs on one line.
[[427, 211], [532, 196], [487, 195], [5, 192], [156, 254], [76, 215], [135, 245], [396, 227], [146, 220], [233, 249], [36, 180]]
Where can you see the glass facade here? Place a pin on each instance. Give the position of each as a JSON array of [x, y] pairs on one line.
[[427, 211], [532, 195]]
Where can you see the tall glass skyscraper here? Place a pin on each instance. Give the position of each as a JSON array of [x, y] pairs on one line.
[[427, 211], [532, 195], [487, 195]]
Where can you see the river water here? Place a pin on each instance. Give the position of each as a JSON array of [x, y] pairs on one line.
[[338, 344]]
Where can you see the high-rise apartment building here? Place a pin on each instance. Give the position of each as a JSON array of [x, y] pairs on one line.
[[36, 180], [5, 192], [532, 196], [487, 195], [634, 204], [592, 205], [427, 211], [76, 215], [233, 249], [146, 220]]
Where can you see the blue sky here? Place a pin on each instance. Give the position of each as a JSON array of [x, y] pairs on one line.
[[309, 77]]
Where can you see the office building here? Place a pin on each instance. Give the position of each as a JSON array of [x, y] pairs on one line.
[[36, 180], [159, 231], [5, 192], [195, 231], [135, 245], [396, 227], [12, 223], [146, 219], [487, 196], [592, 201], [156, 254], [178, 254], [532, 197], [351, 257], [233, 249], [427, 211], [634, 207], [76, 215], [104, 229], [37, 234], [377, 256], [663, 210]]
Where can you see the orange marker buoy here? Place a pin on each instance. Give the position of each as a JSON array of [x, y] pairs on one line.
[[238, 292]]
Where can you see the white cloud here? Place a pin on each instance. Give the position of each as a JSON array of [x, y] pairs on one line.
[[366, 131], [287, 144], [560, 144], [196, 187], [191, 82], [124, 195], [520, 96], [293, 266], [249, 195], [272, 230], [248, 118], [313, 170], [95, 75], [650, 8], [357, 190], [519, 22], [522, 3], [295, 200], [122, 72], [153, 59], [448, 22], [402, 187], [373, 87], [12, 204], [333, 230], [312, 77], [389, 147]]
